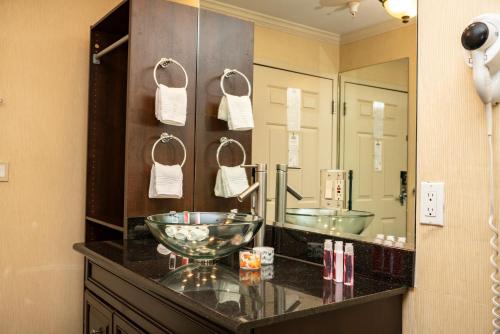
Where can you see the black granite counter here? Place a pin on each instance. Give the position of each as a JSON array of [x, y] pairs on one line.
[[230, 297]]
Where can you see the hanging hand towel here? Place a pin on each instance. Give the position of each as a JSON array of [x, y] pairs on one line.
[[170, 103], [230, 182], [166, 181], [237, 111]]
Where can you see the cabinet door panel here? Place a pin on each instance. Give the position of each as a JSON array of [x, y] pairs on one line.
[[98, 317], [122, 326]]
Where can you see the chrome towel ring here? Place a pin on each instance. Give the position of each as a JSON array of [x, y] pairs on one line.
[[226, 141], [165, 138], [164, 62], [228, 73]]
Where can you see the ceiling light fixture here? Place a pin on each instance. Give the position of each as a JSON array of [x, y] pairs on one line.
[[403, 10]]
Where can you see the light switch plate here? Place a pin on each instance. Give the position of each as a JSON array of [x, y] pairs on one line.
[[432, 203], [4, 171]]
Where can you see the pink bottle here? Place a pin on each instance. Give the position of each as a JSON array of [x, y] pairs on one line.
[[328, 260]]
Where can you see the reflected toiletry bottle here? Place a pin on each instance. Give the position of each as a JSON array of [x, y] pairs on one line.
[[389, 241], [349, 264], [338, 260], [339, 292], [328, 260], [327, 291]]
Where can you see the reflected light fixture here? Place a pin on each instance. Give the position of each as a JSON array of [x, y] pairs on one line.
[[403, 10]]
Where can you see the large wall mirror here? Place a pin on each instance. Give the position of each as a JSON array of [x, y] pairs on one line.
[[349, 68]]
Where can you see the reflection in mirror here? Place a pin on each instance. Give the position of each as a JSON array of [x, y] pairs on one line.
[[334, 94]]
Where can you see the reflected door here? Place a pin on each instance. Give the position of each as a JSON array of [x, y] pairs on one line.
[[376, 181], [270, 137]]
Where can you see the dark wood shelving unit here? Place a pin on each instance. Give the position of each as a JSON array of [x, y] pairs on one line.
[[122, 126]]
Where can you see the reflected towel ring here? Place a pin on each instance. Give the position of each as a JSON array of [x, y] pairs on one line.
[[225, 141], [164, 62], [228, 73], [165, 138]]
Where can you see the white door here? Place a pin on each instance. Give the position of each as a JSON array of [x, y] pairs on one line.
[[270, 138], [376, 189]]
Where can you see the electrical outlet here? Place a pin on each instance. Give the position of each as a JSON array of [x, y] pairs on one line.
[[432, 203], [429, 204], [4, 171]]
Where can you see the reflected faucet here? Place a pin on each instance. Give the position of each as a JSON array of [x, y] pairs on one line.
[[282, 188], [258, 190]]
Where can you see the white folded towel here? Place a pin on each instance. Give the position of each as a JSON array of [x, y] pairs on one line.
[[171, 105], [166, 181], [230, 182], [237, 111]]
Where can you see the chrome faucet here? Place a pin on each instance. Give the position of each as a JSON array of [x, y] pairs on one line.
[[282, 188], [258, 190]]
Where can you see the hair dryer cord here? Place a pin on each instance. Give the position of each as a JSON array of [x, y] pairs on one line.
[[491, 223]]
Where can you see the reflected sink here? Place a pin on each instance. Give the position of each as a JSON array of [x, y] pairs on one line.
[[354, 222], [221, 287], [203, 236]]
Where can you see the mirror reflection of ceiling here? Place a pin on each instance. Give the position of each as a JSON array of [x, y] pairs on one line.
[[328, 15]]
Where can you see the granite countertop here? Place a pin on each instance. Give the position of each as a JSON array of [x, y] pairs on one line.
[[228, 296]]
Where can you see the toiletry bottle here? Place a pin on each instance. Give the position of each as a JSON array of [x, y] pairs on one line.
[[338, 260], [328, 260], [349, 264]]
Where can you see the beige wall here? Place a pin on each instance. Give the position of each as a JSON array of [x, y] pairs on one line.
[[453, 290], [393, 74], [392, 45], [299, 53], [43, 80]]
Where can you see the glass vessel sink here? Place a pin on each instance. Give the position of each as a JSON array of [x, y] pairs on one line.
[[203, 236], [354, 222]]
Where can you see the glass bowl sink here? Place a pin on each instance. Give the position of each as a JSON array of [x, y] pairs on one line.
[[354, 222], [203, 236]]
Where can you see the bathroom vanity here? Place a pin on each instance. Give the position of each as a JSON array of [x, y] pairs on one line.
[[131, 288]]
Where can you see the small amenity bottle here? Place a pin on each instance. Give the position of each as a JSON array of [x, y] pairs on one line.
[[328, 260], [338, 261], [349, 264]]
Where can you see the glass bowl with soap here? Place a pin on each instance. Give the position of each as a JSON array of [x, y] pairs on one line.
[[204, 236]]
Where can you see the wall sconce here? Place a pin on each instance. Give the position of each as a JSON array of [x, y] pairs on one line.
[[403, 10]]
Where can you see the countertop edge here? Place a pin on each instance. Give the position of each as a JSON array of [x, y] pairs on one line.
[[218, 319]]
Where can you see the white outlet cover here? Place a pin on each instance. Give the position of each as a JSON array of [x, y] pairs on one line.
[[432, 203], [4, 171]]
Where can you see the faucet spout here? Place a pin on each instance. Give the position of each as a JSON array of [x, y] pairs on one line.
[[294, 193], [248, 191]]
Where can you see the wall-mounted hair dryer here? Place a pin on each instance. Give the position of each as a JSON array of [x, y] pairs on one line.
[[482, 44]]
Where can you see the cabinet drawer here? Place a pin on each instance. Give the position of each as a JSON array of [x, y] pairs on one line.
[[163, 312], [98, 317]]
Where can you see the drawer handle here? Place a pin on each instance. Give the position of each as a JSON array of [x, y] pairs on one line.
[[97, 331]]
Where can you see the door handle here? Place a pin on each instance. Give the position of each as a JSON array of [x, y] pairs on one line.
[[402, 198], [403, 185], [97, 331]]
